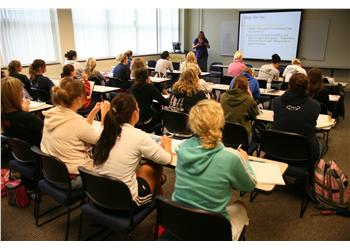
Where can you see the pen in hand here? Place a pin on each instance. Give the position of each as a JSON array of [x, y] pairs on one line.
[[240, 145]]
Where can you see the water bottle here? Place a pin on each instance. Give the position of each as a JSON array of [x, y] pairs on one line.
[[268, 85]]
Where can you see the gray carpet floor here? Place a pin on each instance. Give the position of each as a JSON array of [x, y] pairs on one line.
[[273, 216]]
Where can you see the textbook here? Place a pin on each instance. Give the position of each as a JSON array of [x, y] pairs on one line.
[[267, 173]]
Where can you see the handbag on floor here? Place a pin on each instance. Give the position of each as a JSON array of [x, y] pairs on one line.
[[16, 193]]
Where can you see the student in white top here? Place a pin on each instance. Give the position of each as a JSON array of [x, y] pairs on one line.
[[164, 64], [71, 58], [295, 67], [66, 134], [270, 71], [121, 147]]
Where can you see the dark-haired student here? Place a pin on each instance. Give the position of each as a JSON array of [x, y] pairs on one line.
[[144, 92], [14, 69], [16, 121], [69, 71], [270, 71], [317, 90], [295, 111], [71, 58], [36, 72], [121, 146], [164, 64], [67, 135]]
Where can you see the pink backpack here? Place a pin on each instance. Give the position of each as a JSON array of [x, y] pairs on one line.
[[331, 186]]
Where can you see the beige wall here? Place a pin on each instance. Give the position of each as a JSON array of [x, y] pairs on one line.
[[337, 48]]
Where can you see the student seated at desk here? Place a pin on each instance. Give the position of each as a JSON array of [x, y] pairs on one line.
[[14, 69], [317, 90], [39, 81], [122, 72], [186, 91], [239, 105], [270, 71], [71, 58], [295, 67], [190, 60], [253, 82], [138, 63], [121, 147], [70, 72], [295, 111], [237, 66], [164, 64], [207, 172], [67, 135], [93, 74], [144, 92], [16, 121]]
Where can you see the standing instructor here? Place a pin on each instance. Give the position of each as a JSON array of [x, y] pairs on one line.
[[201, 44]]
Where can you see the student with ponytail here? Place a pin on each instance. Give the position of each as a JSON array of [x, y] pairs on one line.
[[39, 81], [15, 68], [67, 135], [121, 146]]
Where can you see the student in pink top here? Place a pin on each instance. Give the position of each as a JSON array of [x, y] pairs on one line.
[[237, 66]]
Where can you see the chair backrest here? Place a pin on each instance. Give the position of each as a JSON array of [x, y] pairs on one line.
[[175, 121], [151, 63], [106, 192], [291, 148], [226, 80], [53, 169], [216, 69], [20, 150], [176, 65], [185, 223], [249, 65], [235, 134]]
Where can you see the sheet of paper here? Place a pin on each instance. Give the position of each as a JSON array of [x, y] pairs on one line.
[[267, 173]]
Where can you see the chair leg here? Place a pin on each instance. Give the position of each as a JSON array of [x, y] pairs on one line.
[[80, 226], [304, 203], [253, 195], [37, 209], [67, 225]]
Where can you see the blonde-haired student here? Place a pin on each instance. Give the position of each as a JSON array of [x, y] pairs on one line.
[[207, 172]]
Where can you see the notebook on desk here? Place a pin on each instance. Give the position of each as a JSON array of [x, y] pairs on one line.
[[267, 173]]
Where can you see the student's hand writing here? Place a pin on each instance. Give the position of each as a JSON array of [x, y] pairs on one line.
[[243, 153], [165, 142], [97, 107]]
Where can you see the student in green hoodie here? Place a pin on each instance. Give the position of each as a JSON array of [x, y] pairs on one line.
[[207, 172], [239, 106]]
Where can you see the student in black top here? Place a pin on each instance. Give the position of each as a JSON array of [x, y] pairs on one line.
[[317, 90], [145, 93], [16, 121], [122, 72], [36, 71], [186, 91], [14, 69], [295, 111]]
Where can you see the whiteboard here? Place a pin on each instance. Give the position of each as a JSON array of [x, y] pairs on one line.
[[313, 39], [228, 37]]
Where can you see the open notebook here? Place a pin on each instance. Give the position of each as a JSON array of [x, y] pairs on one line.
[[267, 173]]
